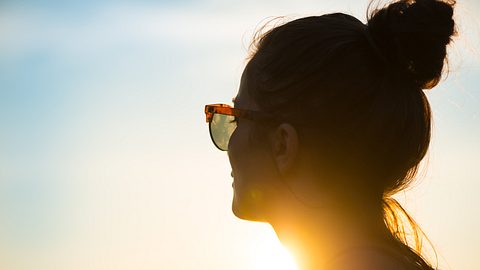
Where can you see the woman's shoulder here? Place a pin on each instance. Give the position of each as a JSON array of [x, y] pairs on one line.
[[367, 258]]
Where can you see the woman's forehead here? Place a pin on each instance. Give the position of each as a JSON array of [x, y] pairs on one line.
[[243, 99]]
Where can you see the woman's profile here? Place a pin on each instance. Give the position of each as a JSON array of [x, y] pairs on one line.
[[329, 122]]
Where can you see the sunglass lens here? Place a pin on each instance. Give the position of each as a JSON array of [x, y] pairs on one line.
[[221, 128]]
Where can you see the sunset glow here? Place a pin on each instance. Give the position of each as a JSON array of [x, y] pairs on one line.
[[269, 253], [106, 161]]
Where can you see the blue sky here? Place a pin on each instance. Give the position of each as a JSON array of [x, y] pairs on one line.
[[105, 155]]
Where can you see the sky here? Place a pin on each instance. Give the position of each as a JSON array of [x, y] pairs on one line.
[[105, 157]]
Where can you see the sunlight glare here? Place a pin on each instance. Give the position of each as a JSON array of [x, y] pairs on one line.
[[269, 253]]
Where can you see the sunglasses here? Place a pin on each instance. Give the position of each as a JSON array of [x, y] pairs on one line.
[[222, 122]]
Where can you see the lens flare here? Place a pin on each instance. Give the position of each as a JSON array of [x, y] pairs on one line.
[[269, 253]]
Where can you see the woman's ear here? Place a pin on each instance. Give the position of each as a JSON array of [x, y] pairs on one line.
[[284, 144]]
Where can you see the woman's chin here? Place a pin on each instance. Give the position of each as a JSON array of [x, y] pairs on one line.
[[246, 211]]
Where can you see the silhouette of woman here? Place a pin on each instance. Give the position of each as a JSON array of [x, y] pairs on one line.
[[329, 122]]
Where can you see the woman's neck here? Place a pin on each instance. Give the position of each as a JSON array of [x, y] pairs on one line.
[[315, 236]]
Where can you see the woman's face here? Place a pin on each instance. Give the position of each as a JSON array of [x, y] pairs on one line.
[[253, 168]]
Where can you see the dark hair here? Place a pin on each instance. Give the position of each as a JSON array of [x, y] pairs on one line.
[[354, 92]]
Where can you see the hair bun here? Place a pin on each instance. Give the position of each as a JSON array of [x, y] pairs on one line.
[[413, 36]]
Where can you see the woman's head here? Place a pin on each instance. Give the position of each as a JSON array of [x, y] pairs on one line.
[[350, 98], [345, 121]]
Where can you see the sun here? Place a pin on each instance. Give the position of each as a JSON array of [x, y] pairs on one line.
[[268, 253]]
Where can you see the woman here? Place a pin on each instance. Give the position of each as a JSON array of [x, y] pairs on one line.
[[329, 122]]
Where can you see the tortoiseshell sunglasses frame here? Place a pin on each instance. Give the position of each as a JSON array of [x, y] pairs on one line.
[[225, 109]]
